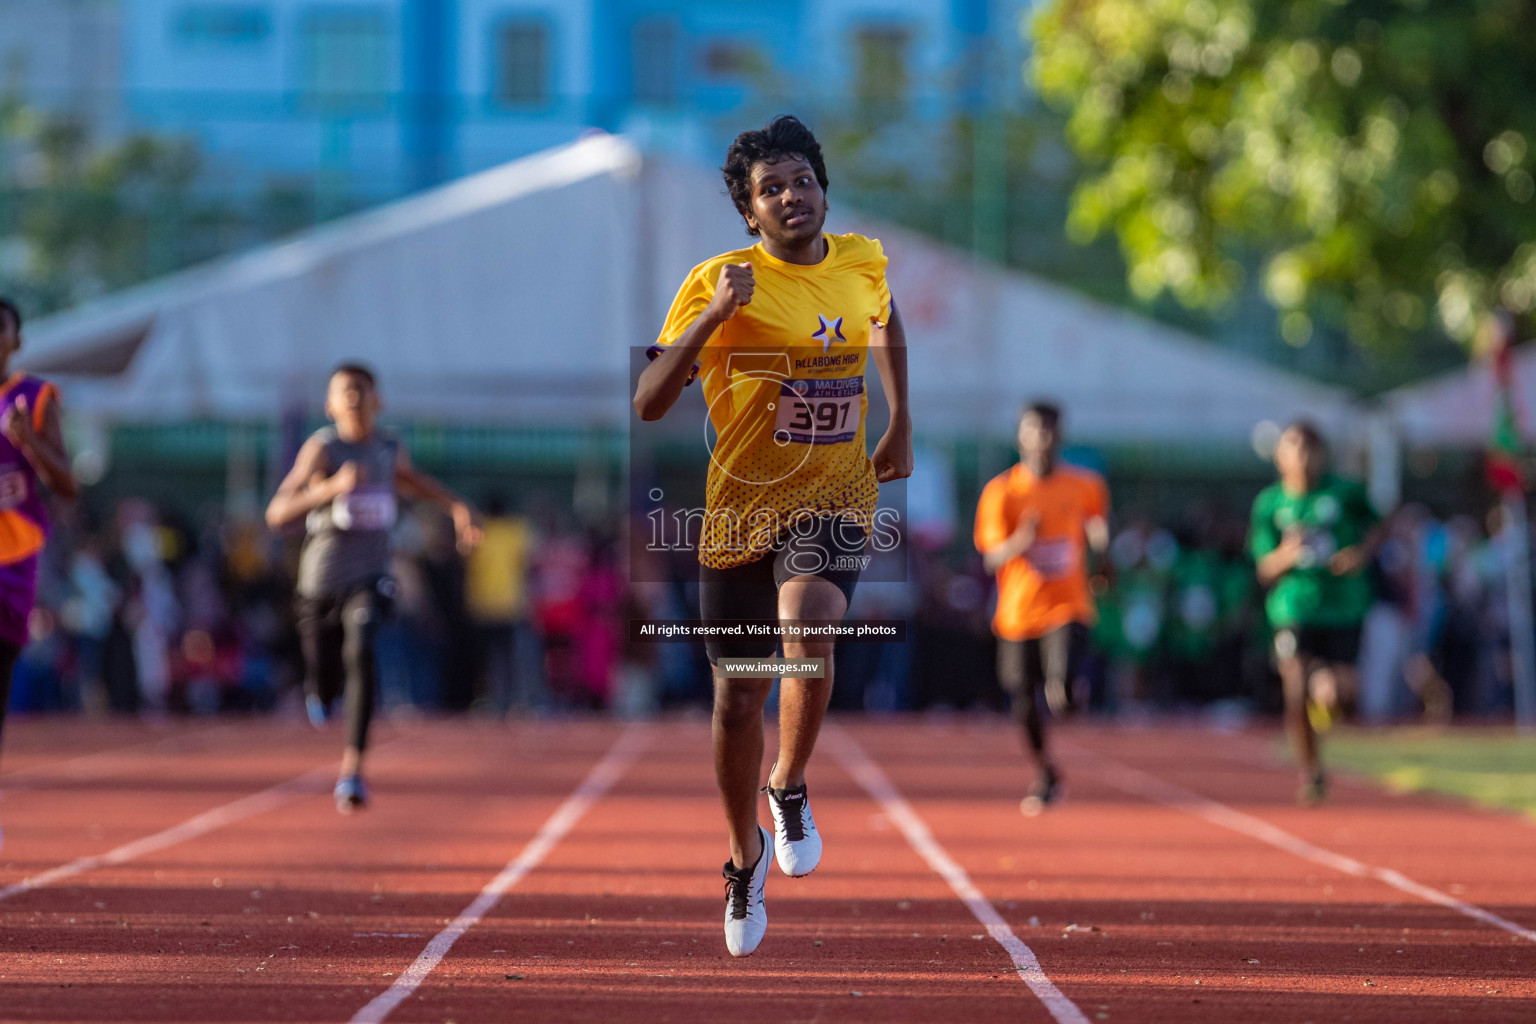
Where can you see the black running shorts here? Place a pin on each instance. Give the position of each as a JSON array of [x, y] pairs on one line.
[[751, 591], [1024, 666], [1331, 645]]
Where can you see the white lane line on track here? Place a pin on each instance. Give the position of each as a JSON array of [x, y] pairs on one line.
[[86, 766], [1139, 783], [598, 781], [202, 824], [866, 773]]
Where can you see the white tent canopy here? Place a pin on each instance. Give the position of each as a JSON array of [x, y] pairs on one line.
[[502, 295], [1456, 409], [515, 296], [984, 339]]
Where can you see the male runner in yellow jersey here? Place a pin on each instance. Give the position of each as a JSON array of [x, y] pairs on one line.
[[780, 334]]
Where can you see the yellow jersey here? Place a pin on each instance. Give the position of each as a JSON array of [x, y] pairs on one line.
[[785, 383]]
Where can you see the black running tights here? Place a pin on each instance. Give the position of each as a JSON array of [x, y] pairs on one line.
[[337, 635]]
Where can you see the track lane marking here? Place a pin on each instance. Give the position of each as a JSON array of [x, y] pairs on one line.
[[597, 782], [79, 767], [198, 825], [851, 757], [1136, 782]]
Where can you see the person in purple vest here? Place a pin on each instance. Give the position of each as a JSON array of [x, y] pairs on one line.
[[31, 453]]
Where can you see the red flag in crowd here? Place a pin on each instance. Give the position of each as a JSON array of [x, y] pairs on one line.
[[1505, 445]]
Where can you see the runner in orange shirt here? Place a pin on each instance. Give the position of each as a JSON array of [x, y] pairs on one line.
[[1034, 525]]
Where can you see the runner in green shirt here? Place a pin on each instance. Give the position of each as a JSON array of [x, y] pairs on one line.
[[1312, 535]]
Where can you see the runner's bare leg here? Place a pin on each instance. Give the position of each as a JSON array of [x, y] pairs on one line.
[[803, 702], [1293, 677], [737, 732]]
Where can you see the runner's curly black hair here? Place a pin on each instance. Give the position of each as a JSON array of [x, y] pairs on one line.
[[785, 135]]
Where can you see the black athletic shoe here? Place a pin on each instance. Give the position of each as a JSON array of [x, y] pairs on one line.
[[1045, 791]]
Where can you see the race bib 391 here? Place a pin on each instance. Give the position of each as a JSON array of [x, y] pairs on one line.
[[812, 411]]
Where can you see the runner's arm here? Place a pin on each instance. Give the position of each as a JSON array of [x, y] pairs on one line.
[[1097, 530], [1096, 517], [1281, 560], [413, 483], [669, 372], [1350, 560], [663, 380], [42, 448], [888, 346], [306, 487], [1274, 553], [1014, 545], [999, 540]]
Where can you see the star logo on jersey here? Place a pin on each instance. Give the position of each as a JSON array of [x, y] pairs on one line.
[[830, 331]]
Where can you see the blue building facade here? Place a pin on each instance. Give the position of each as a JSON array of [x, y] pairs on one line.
[[375, 98]]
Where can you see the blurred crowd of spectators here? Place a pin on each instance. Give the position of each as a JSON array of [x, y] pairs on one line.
[[145, 611]]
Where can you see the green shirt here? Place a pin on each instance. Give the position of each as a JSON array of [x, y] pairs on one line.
[[1130, 623], [1334, 515], [1195, 618]]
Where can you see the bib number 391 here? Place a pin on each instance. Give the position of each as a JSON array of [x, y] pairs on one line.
[[818, 411]]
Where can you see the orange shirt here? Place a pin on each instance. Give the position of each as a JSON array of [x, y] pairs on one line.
[[1047, 586]]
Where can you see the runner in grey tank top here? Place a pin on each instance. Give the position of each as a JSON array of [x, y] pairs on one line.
[[348, 542], [344, 486]]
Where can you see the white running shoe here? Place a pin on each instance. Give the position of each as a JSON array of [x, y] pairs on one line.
[[796, 843], [746, 918]]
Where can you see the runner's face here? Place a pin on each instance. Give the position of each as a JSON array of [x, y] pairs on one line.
[[788, 205], [1038, 438], [1298, 459], [351, 397]]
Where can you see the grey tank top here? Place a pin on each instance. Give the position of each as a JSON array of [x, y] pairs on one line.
[[348, 539]]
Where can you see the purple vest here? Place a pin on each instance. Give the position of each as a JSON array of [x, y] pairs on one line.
[[20, 490], [23, 515]]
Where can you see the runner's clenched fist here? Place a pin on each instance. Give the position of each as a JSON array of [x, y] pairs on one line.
[[733, 290]]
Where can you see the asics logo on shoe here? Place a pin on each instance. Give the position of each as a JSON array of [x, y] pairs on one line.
[[790, 806], [796, 844]]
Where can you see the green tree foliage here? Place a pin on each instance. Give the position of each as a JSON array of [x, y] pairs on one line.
[[80, 218], [1377, 153], [999, 185]]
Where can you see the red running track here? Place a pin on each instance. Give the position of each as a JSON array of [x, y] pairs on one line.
[[1178, 882]]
